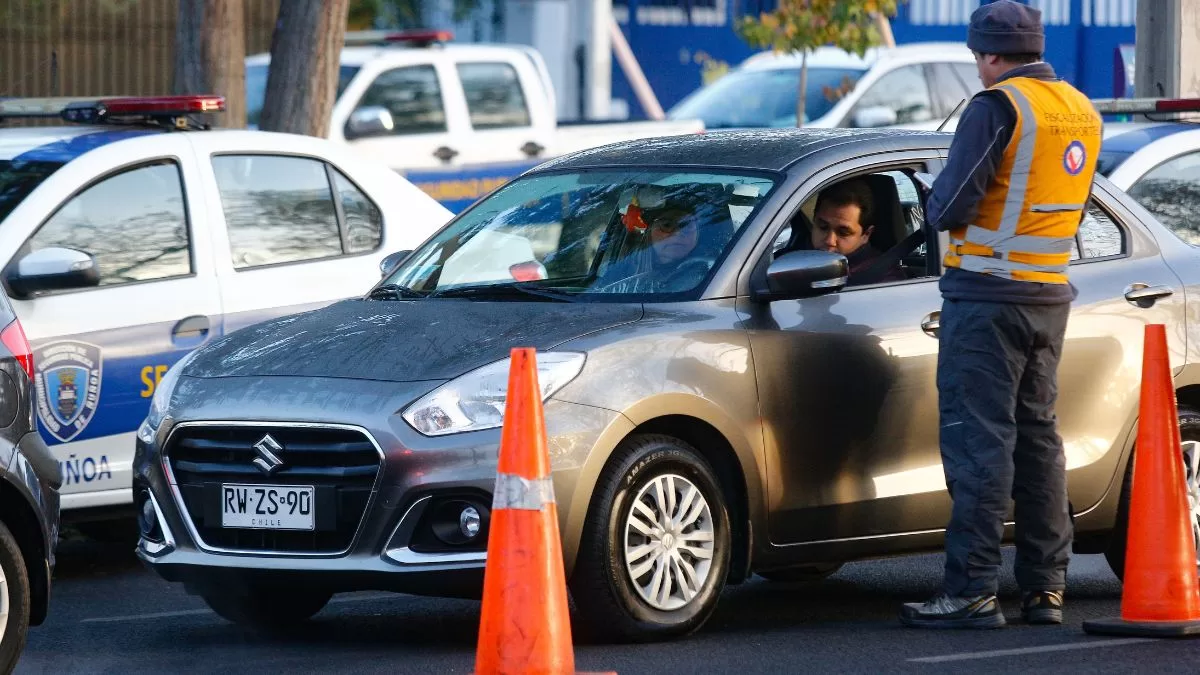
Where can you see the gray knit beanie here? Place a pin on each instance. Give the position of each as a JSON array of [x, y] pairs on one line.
[[1006, 27]]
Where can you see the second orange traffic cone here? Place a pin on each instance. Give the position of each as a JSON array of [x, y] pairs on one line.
[[525, 626], [1161, 595]]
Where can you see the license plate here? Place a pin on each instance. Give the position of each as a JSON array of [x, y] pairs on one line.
[[267, 507]]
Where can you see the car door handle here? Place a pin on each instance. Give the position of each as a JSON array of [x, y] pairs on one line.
[[445, 154], [1144, 295], [532, 149], [190, 327], [932, 323]]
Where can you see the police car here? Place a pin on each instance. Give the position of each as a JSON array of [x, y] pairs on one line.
[[1156, 159], [131, 235]]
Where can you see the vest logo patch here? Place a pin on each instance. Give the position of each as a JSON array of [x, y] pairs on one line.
[[1073, 158]]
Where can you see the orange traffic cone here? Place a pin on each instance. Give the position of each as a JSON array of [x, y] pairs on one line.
[[1161, 595], [525, 626]]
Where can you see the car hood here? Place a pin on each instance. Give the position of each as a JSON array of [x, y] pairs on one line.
[[400, 341]]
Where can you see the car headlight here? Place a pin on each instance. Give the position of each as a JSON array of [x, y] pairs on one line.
[[162, 397], [475, 400]]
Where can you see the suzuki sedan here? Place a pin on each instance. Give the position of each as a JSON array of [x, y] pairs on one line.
[[722, 397]]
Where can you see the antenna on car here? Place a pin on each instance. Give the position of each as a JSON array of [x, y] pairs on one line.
[[951, 115]]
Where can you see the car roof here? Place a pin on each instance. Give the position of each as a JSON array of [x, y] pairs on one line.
[[1132, 136], [761, 149], [362, 55], [836, 57], [61, 143]]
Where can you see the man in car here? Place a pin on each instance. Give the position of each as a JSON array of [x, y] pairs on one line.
[[843, 221], [664, 257]]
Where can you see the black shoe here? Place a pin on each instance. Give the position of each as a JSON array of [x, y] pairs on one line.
[[944, 611], [1042, 607]]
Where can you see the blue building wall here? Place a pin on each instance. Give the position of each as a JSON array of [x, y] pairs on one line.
[[681, 44]]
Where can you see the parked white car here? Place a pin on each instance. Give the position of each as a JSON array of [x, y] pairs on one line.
[[125, 246], [912, 86]]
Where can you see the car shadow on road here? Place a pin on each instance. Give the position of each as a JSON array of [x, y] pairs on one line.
[[80, 557]]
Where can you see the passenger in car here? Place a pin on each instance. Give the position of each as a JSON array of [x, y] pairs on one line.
[[843, 221]]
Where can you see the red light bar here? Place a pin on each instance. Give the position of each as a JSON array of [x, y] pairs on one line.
[[419, 38], [163, 105], [96, 111], [1141, 106]]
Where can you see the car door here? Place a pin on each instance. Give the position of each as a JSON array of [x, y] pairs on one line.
[[100, 351], [847, 385]]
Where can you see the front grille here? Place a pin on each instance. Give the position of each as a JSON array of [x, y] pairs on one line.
[[340, 464]]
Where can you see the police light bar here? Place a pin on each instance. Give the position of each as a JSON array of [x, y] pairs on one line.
[[418, 38], [1145, 106], [96, 111]]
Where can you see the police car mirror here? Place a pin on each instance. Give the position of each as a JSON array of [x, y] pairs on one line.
[[391, 261], [371, 120], [52, 268], [802, 274]]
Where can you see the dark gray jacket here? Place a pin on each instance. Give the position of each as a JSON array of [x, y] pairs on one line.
[[978, 147]]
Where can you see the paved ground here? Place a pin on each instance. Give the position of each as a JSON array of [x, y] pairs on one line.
[[109, 615]]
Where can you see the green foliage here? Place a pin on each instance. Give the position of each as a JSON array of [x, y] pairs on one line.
[[804, 25], [399, 13]]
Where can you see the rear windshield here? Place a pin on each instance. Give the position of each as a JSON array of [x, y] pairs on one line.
[[18, 178]]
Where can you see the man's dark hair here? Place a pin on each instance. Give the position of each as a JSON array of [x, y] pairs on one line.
[[854, 191]]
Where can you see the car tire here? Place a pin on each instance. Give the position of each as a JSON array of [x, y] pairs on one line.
[[267, 608], [610, 605], [1189, 430], [14, 597], [803, 573]]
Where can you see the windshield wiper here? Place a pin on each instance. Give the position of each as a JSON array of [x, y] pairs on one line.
[[393, 292], [503, 290]]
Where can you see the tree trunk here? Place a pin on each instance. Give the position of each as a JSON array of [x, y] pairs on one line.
[[305, 54], [800, 95], [210, 53]]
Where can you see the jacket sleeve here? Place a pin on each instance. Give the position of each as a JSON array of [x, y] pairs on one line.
[[980, 138]]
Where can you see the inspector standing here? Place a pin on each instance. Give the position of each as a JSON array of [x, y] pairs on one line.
[[1012, 196]]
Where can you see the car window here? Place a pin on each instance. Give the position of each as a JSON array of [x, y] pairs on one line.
[[277, 209], [1099, 236], [1171, 191], [904, 92], [946, 88], [134, 223], [364, 221], [494, 96], [414, 97], [968, 74]]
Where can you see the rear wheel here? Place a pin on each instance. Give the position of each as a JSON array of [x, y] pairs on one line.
[[1189, 430], [269, 608], [655, 549], [14, 601]]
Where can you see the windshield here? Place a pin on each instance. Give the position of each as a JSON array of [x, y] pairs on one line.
[[256, 89], [20, 177], [592, 235], [766, 98]]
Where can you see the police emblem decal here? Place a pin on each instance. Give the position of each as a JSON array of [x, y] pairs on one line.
[[1073, 158], [67, 385]]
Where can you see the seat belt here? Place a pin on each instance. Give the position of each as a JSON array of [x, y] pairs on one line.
[[875, 271]]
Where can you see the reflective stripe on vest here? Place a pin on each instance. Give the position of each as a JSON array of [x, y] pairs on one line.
[[1023, 232]]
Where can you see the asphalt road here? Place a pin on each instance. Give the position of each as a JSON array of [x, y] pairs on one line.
[[109, 615]]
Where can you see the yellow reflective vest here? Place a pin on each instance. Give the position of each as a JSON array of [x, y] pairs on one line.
[[1029, 215]]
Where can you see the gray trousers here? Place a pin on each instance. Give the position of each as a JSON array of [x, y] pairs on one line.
[[997, 385]]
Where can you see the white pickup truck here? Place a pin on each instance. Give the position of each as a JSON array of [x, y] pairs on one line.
[[456, 119]]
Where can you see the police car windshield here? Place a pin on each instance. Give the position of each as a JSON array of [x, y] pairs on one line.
[[595, 235], [766, 98], [20, 177]]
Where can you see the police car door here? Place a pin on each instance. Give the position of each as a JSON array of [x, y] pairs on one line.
[[134, 206]]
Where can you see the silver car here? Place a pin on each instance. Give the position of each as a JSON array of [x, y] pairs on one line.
[[720, 399]]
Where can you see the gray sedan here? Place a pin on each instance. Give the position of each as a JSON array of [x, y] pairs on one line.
[[723, 396]]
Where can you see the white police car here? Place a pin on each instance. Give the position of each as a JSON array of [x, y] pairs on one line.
[[128, 238], [1156, 160]]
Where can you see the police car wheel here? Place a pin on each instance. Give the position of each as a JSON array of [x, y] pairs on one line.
[[266, 608], [14, 601], [1189, 430], [655, 547], [803, 573]]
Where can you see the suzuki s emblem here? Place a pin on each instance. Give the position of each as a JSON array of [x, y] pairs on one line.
[[267, 461]]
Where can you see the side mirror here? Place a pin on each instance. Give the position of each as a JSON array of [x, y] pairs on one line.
[[874, 116], [802, 274], [372, 120], [52, 268], [390, 262]]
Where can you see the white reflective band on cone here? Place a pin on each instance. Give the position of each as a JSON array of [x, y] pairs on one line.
[[515, 492]]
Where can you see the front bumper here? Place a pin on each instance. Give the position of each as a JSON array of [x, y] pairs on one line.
[[389, 548]]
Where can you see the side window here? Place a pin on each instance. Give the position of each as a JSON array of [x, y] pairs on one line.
[[1099, 236], [414, 97], [902, 94], [134, 223], [946, 88], [968, 74], [1171, 191], [494, 96], [282, 209]]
